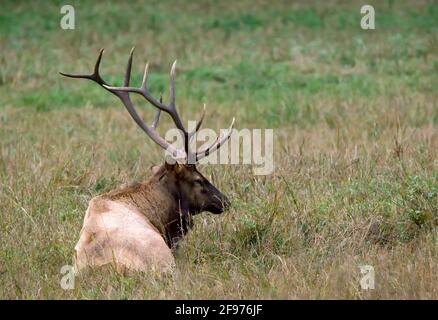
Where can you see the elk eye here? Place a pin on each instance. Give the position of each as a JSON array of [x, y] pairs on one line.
[[199, 181]]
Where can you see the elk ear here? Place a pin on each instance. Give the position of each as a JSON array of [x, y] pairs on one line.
[[170, 166], [175, 167], [178, 168], [155, 169]]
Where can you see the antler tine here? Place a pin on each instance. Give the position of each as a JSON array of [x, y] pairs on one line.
[[216, 145], [172, 108], [145, 80], [156, 119], [97, 64], [172, 86], [157, 115], [95, 76], [128, 68], [198, 125]]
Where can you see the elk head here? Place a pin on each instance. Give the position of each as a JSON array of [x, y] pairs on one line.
[[196, 193], [180, 176]]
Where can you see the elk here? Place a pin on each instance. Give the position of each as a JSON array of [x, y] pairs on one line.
[[136, 228]]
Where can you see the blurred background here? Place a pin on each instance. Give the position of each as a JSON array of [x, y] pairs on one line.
[[281, 57]]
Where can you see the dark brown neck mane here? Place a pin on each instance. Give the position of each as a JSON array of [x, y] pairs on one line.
[[162, 206]]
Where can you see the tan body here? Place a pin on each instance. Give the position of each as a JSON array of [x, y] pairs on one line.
[[119, 234], [136, 227], [129, 228]]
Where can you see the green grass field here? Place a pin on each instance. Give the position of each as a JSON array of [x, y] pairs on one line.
[[355, 119]]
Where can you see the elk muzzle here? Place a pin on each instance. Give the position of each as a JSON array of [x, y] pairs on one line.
[[219, 202]]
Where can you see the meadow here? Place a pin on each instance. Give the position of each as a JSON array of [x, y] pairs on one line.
[[355, 119]]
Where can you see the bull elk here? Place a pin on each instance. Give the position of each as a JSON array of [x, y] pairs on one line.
[[136, 227]]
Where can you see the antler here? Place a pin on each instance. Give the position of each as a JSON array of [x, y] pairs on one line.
[[216, 145], [122, 93]]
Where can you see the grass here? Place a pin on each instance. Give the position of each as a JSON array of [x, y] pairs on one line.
[[355, 119]]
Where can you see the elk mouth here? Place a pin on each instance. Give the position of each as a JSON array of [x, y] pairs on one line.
[[219, 206]]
